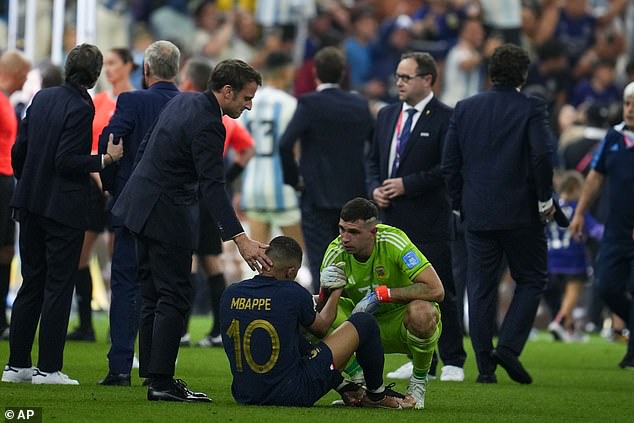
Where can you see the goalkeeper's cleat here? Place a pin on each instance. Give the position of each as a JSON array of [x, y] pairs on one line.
[[416, 392], [403, 372], [386, 399], [351, 394]]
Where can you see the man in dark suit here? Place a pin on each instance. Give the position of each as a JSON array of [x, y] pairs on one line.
[[180, 161], [405, 180], [135, 113], [497, 162], [52, 162], [333, 127]]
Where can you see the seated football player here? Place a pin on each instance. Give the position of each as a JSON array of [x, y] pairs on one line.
[[383, 273], [261, 321]]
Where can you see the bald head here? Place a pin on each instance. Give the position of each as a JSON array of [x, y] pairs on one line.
[[14, 67]]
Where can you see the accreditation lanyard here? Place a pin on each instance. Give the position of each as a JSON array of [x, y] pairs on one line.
[[400, 142]]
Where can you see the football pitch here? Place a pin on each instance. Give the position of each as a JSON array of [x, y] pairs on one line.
[[572, 383]]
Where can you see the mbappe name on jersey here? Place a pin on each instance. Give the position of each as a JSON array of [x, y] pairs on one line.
[[241, 303]]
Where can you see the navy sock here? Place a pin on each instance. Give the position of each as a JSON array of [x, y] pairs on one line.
[[370, 351]]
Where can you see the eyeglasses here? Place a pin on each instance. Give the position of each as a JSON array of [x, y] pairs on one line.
[[406, 78]]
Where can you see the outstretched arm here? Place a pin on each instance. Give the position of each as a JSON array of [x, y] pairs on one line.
[[326, 316]]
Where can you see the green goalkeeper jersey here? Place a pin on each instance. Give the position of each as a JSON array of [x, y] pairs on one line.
[[395, 262]]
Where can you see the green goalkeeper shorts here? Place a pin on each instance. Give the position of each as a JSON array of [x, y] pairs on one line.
[[393, 332]]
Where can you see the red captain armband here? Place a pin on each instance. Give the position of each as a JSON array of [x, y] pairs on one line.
[[383, 294]]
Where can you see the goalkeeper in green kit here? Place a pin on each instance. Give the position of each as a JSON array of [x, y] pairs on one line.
[[385, 274]]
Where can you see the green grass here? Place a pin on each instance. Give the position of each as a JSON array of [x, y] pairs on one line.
[[572, 383]]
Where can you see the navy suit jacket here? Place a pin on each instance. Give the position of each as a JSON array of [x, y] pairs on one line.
[[423, 212], [182, 153], [51, 157], [135, 113], [334, 127], [498, 159]]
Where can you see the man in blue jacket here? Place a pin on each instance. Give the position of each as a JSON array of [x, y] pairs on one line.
[[135, 113], [497, 162], [52, 162]]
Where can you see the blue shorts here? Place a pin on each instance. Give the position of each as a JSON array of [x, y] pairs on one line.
[[315, 377]]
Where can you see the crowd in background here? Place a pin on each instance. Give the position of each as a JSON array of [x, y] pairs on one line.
[[580, 52]]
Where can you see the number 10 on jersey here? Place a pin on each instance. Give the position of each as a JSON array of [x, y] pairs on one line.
[[245, 344]]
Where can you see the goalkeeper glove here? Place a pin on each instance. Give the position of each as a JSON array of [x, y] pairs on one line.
[[333, 276], [370, 303]]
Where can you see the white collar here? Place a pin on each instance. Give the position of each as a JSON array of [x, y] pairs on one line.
[[420, 106], [326, 85]]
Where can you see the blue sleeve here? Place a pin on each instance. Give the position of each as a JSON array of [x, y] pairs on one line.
[[305, 306], [452, 162], [121, 125], [294, 130], [70, 157], [598, 161]]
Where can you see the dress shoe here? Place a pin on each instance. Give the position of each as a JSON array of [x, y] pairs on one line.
[[627, 362], [81, 335], [174, 390], [512, 365], [482, 378], [116, 379]]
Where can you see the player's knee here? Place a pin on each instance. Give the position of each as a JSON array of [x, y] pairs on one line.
[[365, 324], [421, 318]]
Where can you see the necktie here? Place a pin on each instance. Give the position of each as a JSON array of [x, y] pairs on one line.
[[402, 138]]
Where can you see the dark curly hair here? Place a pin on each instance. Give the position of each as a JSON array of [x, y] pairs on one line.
[[508, 66], [83, 65]]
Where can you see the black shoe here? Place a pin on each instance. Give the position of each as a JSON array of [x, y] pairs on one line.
[[174, 390], [512, 365], [81, 335], [627, 362], [487, 378], [116, 379]]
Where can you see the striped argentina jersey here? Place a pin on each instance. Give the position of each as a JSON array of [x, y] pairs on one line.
[[395, 262], [263, 186]]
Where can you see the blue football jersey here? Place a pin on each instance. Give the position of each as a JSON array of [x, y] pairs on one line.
[[260, 320]]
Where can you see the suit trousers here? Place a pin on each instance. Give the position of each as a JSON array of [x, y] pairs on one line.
[[615, 276], [125, 302], [525, 250], [50, 253], [166, 289], [320, 227], [450, 345]]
